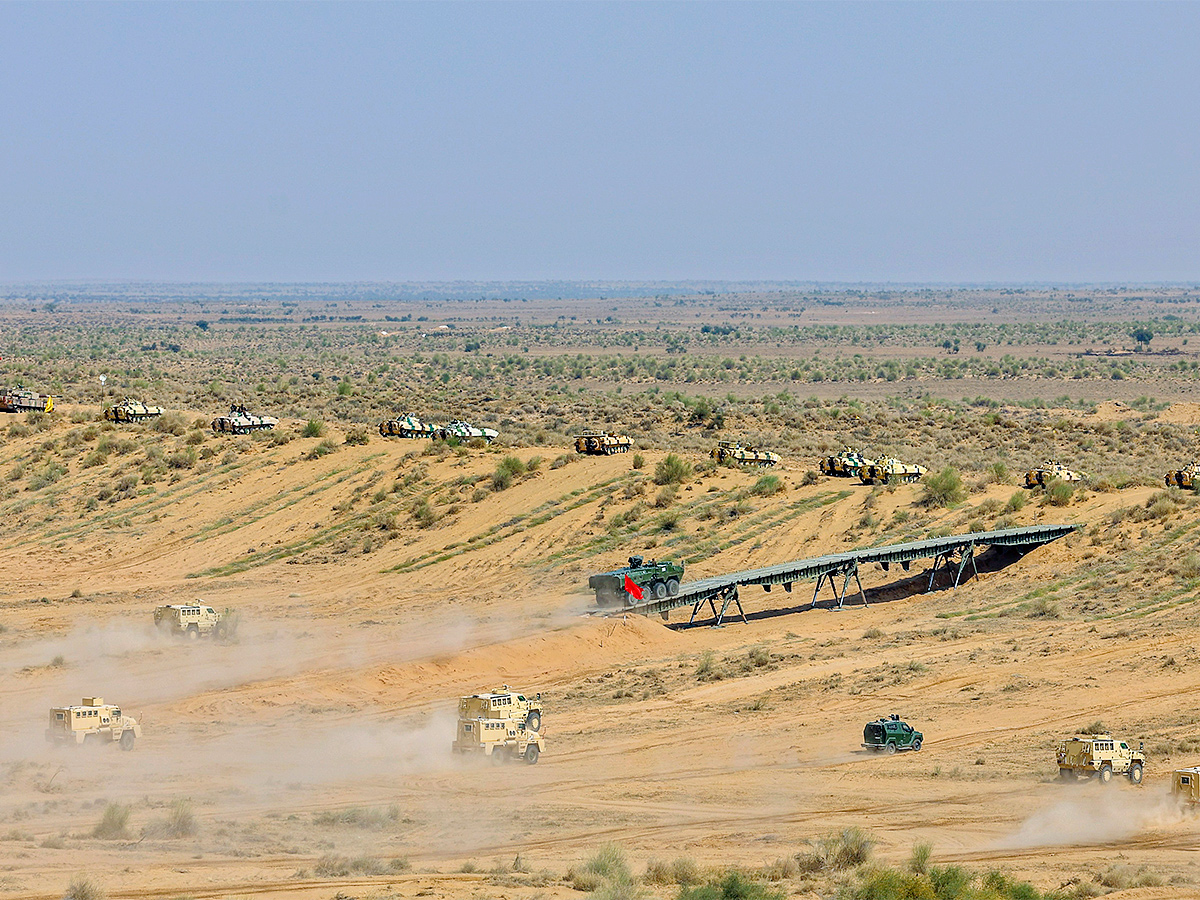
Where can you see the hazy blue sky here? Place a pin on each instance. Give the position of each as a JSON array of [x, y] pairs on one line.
[[964, 142]]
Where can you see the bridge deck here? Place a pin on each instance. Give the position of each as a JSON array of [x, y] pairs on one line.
[[723, 587]]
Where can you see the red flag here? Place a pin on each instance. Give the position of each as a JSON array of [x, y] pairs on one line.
[[632, 589]]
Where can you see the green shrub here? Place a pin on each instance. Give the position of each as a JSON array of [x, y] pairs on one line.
[[944, 488], [672, 470], [114, 823], [767, 486], [357, 436], [1058, 492], [82, 888], [322, 449], [639, 461], [734, 886], [313, 428]]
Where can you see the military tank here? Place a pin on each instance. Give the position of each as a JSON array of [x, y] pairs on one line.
[[464, 431], [651, 579], [1184, 478], [19, 401], [407, 427], [847, 464], [889, 469], [241, 422], [131, 411], [1038, 477], [743, 456], [602, 442]]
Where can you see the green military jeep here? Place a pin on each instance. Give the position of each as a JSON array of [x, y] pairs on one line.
[[890, 735]]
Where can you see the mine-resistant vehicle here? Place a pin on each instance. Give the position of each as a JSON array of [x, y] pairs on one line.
[[192, 620], [92, 722], [407, 427], [890, 735], [502, 725], [241, 422], [1185, 785], [1184, 478], [1099, 756], [889, 469], [464, 431], [131, 411], [19, 401], [602, 442], [652, 579], [743, 456], [1038, 477], [847, 464]]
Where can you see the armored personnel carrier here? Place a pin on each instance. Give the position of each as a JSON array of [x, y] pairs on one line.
[[241, 422], [640, 580], [890, 735], [191, 620], [92, 722], [1099, 756], [889, 469], [464, 431], [847, 464], [1184, 478], [502, 725], [407, 427], [19, 401], [602, 442], [743, 456], [1039, 476], [1185, 785], [131, 411]]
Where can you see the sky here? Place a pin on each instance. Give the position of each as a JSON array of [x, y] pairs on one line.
[[901, 142]]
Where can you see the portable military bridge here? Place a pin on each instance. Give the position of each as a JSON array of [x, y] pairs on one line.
[[951, 553]]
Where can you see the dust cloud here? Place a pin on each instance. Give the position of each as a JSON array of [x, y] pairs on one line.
[[1094, 814]]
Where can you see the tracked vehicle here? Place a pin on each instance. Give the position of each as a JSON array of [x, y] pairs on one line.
[[602, 442], [847, 464], [464, 431], [1184, 478], [743, 456], [621, 587], [19, 401], [888, 470], [92, 722], [407, 427], [1038, 477], [1099, 756], [241, 422], [502, 725], [132, 411]]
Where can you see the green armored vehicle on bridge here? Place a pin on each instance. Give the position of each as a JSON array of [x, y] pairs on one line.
[[640, 580]]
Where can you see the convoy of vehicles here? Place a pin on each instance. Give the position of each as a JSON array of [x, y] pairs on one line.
[[1099, 756], [92, 722]]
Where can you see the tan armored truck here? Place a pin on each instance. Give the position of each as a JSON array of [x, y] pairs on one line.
[[191, 620], [1185, 785], [502, 726], [1099, 756], [92, 722]]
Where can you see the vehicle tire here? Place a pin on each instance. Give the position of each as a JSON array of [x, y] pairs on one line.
[[672, 587], [916, 745], [890, 748], [1105, 774], [127, 739], [1135, 773], [1066, 775], [220, 631], [884, 478], [499, 757], [660, 591], [533, 721], [531, 754], [193, 632]]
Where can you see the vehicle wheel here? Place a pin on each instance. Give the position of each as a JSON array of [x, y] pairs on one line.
[[193, 632], [672, 587], [533, 721], [1065, 775], [916, 745], [890, 749], [220, 631], [1106, 774], [1135, 773], [531, 754], [884, 478], [498, 757], [127, 739], [660, 591]]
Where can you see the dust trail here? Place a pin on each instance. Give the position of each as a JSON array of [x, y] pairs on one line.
[[1094, 814]]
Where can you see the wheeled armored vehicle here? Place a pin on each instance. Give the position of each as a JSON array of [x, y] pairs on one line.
[[502, 725], [891, 735], [650, 579], [92, 722], [1099, 756], [191, 620]]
